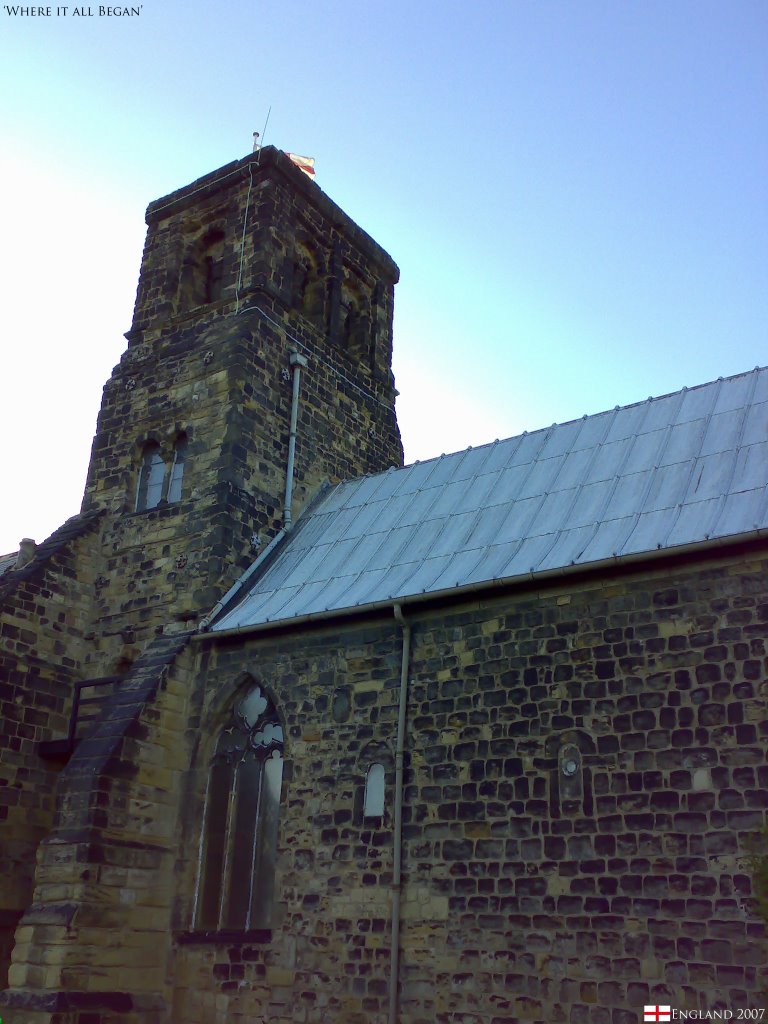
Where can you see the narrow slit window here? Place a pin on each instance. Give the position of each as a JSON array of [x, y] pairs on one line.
[[177, 468], [151, 478], [236, 887], [373, 805]]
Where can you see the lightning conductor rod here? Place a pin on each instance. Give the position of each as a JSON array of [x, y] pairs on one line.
[[257, 146], [256, 149], [297, 361]]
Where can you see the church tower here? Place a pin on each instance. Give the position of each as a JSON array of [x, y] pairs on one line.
[[257, 369], [254, 287]]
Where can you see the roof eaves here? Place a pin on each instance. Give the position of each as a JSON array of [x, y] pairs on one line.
[[486, 586]]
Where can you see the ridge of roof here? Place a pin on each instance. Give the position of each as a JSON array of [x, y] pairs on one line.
[[642, 402]]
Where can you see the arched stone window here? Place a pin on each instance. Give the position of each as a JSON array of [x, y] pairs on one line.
[[375, 766], [355, 319], [151, 477], [241, 818], [373, 802], [177, 468], [308, 286], [201, 276], [213, 265]]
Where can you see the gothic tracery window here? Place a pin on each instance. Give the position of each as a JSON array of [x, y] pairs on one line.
[[241, 819]]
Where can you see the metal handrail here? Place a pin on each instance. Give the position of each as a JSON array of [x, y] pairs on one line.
[[58, 748]]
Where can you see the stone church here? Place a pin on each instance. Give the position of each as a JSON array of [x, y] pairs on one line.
[[293, 733]]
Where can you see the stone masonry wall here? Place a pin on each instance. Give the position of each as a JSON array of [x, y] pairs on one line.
[[44, 610], [534, 891], [327, 956], [228, 388], [93, 944], [208, 359], [531, 892]]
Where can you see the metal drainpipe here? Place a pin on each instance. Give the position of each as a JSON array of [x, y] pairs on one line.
[[397, 856], [297, 361]]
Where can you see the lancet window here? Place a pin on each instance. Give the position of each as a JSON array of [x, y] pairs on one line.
[[373, 804], [151, 478], [177, 468], [155, 484]]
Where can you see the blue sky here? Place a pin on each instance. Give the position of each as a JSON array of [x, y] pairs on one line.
[[576, 194]]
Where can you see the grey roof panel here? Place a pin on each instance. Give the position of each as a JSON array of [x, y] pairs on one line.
[[491, 520], [608, 541], [739, 513], [492, 563], [723, 431], [608, 458], [519, 451], [683, 439], [698, 403], [709, 479], [749, 469], [8, 562], [476, 463], [459, 567], [561, 440], [662, 412], [576, 466], [662, 474], [592, 502], [628, 422], [647, 450], [756, 424], [664, 487], [310, 595], [565, 549], [520, 519], [628, 496], [692, 518], [647, 533], [528, 554]]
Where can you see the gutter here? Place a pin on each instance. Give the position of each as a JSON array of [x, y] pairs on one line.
[[419, 600]]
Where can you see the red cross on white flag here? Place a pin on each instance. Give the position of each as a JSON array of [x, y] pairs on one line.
[[657, 1013]]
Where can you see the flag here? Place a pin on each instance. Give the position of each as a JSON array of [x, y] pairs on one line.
[[657, 1014], [304, 163]]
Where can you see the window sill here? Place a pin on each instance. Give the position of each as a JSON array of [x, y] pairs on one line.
[[232, 936], [163, 509]]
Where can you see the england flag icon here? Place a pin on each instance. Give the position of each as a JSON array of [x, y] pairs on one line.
[[657, 1014]]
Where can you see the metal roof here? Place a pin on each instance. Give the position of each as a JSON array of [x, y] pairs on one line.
[[680, 470], [8, 562]]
